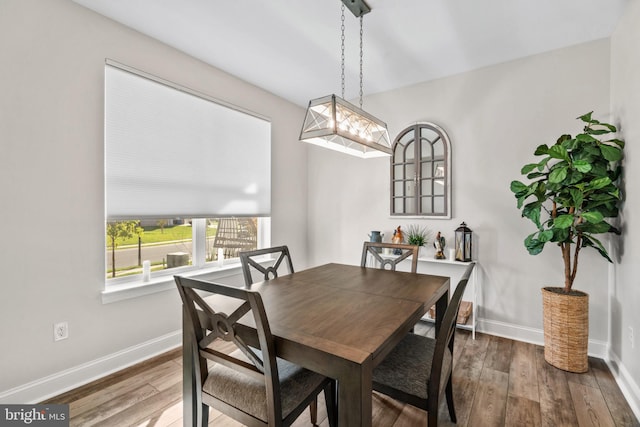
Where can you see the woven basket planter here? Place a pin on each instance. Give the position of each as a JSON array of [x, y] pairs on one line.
[[566, 329]]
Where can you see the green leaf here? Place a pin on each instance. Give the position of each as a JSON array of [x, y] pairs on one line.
[[596, 228], [595, 243], [545, 236], [598, 183], [563, 221], [582, 166], [534, 246], [558, 175], [528, 168], [593, 216], [586, 117], [616, 141], [560, 235], [534, 175], [541, 150], [583, 137], [599, 129], [558, 152], [577, 197], [532, 211], [518, 187], [613, 154]]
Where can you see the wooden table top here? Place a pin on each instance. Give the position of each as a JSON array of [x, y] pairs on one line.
[[348, 310]]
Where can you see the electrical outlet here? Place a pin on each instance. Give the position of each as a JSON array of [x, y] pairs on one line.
[[60, 331], [631, 338]]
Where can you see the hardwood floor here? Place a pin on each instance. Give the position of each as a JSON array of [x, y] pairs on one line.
[[497, 382]]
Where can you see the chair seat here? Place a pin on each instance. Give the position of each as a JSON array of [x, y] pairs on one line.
[[407, 369], [249, 394]]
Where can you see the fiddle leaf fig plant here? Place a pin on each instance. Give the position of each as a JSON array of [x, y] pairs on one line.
[[571, 192]]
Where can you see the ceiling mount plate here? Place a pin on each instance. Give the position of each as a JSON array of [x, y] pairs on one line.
[[357, 7]]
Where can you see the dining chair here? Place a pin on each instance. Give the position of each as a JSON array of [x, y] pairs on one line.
[[376, 249], [249, 384], [418, 370], [247, 259]]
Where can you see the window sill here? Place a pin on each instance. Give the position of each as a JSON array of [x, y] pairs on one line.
[[123, 291]]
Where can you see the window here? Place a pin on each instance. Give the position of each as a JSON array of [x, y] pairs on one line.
[[421, 172], [187, 177], [169, 243]]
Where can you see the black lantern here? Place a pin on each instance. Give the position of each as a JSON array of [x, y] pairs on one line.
[[464, 238]]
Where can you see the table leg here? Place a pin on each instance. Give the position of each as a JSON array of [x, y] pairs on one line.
[[355, 389]]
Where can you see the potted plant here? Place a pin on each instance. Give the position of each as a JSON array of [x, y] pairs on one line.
[[417, 235], [573, 189]]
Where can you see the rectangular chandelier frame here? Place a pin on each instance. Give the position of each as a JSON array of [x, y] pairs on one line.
[[331, 122]]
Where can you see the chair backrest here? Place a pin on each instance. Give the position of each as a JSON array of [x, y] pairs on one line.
[[247, 260], [446, 334], [205, 324], [399, 252]]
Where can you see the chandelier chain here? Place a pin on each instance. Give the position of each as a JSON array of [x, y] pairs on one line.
[[360, 61], [342, 48]]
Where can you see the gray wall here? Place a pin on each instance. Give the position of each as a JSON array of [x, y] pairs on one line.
[[625, 104], [51, 183]]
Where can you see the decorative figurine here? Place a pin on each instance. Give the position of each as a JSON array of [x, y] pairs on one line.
[[398, 237], [439, 243]]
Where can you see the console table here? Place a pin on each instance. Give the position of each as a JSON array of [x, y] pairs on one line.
[[447, 267]]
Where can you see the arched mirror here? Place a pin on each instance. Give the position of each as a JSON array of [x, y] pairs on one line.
[[421, 172]]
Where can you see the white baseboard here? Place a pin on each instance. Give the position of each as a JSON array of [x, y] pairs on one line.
[[629, 387], [60, 382], [532, 335]]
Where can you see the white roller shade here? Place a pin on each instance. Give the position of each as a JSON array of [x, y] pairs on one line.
[[170, 153]]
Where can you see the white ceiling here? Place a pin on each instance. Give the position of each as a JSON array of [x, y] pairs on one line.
[[292, 47]]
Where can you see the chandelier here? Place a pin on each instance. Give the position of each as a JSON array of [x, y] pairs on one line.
[[334, 123]]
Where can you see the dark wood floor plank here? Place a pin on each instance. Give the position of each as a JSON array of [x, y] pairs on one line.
[[556, 405], [489, 405], [523, 375], [591, 409], [499, 354], [466, 377], [522, 412], [586, 378], [101, 396], [459, 343], [618, 406], [410, 417], [112, 407], [385, 410], [145, 409]]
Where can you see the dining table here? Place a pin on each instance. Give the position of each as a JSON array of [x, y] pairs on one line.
[[340, 321]]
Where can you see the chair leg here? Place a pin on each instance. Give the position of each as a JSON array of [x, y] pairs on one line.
[[331, 400], [449, 394], [313, 411], [204, 409], [432, 418]]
